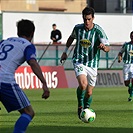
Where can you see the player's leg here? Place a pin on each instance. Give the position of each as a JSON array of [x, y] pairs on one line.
[[129, 85], [80, 97], [92, 76], [27, 114], [23, 121], [17, 100], [130, 90], [88, 97], [81, 90], [82, 80], [131, 81], [127, 77]]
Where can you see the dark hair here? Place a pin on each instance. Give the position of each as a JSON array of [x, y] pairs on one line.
[[131, 33], [88, 11], [54, 25], [25, 28]]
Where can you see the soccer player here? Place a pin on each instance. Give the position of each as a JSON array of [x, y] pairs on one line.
[[127, 49], [86, 59], [13, 52]]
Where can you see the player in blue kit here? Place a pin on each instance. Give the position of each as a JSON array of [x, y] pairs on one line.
[[13, 52]]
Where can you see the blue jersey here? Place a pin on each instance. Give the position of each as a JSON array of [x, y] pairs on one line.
[[14, 52]]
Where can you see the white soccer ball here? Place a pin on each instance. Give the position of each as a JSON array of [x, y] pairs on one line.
[[88, 115]]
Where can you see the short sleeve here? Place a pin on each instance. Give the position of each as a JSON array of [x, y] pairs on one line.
[[30, 52], [73, 34], [102, 36], [123, 48]]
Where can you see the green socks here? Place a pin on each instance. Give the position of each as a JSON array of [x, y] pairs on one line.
[[87, 102], [130, 89], [80, 97], [83, 101]]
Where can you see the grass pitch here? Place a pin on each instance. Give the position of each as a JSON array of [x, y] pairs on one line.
[[58, 114]]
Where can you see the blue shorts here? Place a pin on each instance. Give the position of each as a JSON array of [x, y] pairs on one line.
[[13, 97]]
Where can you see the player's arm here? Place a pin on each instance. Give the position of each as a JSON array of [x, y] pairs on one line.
[[120, 54], [30, 56], [104, 42], [68, 44], [38, 72]]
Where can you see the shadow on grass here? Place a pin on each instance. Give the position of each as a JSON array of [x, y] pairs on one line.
[[61, 129]]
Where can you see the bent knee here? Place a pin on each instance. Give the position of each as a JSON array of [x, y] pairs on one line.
[[28, 110], [89, 93], [83, 86], [32, 113]]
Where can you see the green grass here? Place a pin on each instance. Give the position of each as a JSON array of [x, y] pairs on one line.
[[58, 114]]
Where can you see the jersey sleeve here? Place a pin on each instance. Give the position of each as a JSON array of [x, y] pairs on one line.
[[102, 36], [122, 48], [30, 52], [73, 34]]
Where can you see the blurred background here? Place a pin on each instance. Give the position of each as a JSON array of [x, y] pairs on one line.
[[115, 16], [102, 6]]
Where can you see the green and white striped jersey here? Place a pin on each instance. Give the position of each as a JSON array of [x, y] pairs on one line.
[[127, 49], [88, 56]]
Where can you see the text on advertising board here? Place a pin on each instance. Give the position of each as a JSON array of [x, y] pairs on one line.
[[54, 75]]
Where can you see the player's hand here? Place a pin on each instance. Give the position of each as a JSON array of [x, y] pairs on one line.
[[63, 57], [46, 92], [119, 59], [102, 46]]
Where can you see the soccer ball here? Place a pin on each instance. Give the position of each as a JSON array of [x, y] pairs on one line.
[[88, 115]]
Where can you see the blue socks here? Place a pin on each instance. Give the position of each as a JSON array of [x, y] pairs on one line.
[[22, 123]]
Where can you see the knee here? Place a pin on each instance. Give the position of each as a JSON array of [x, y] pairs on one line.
[[32, 113], [83, 86], [28, 110], [126, 85], [89, 93], [127, 82]]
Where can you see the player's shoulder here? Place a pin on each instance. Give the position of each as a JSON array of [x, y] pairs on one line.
[[98, 27], [126, 43], [19, 40], [79, 25]]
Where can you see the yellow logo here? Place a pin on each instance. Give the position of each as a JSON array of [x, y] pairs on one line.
[[85, 43], [131, 52]]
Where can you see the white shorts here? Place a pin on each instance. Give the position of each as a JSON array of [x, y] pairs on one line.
[[91, 73], [127, 71]]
